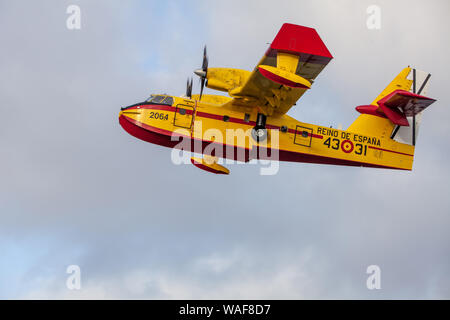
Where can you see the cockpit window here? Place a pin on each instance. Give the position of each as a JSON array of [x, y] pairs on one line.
[[168, 101], [157, 99]]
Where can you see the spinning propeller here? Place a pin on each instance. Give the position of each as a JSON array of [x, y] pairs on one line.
[[202, 72]]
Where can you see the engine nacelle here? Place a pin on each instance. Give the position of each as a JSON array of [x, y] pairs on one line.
[[226, 79]]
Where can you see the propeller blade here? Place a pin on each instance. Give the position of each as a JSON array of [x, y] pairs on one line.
[[201, 88], [202, 73], [189, 88], [205, 60]]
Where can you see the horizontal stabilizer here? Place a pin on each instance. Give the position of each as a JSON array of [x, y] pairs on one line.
[[400, 104]]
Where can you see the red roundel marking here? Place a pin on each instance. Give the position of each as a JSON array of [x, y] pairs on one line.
[[347, 146]]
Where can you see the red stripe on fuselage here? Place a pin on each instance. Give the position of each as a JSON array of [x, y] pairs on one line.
[[155, 107], [207, 115], [218, 117]]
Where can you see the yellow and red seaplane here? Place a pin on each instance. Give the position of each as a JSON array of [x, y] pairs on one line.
[[251, 123]]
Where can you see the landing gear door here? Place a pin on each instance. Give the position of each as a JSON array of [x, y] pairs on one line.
[[303, 136], [183, 116]]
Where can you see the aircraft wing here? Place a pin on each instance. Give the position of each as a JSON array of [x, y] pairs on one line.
[[289, 67]]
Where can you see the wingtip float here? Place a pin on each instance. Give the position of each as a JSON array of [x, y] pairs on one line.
[[382, 136]]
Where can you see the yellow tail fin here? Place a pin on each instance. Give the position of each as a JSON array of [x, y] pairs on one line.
[[400, 82], [373, 125]]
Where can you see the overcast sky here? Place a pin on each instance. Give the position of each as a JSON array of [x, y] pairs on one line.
[[76, 189]]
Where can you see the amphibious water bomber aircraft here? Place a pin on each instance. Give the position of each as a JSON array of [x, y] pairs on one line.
[[382, 136]]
